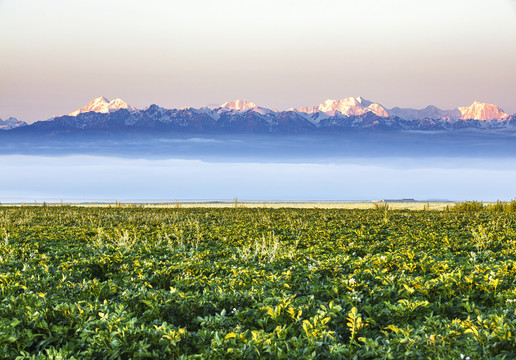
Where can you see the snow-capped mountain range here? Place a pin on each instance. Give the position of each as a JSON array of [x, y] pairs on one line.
[[245, 116], [358, 106], [349, 106]]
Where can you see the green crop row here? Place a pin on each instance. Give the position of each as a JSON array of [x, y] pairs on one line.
[[139, 283]]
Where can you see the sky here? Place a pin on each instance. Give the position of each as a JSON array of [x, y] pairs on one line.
[[98, 178], [56, 55]]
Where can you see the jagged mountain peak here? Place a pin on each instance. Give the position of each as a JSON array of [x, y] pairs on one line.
[[11, 123], [239, 105], [245, 105], [349, 101], [119, 103], [100, 99], [429, 112], [347, 106], [103, 105], [10, 120], [482, 111]]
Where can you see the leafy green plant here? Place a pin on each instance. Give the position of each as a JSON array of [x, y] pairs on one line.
[[145, 282]]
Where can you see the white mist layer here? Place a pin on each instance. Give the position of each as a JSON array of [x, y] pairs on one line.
[[95, 178]]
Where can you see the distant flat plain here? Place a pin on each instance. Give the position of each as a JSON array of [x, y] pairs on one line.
[[394, 205], [418, 205]]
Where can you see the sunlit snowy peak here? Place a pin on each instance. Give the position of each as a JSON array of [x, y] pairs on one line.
[[348, 106], [103, 105], [244, 105], [482, 111]]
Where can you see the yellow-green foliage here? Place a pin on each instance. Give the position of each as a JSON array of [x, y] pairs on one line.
[[499, 206], [503, 206], [468, 206], [241, 283]]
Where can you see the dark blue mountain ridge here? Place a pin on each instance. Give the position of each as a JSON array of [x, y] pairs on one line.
[[204, 120]]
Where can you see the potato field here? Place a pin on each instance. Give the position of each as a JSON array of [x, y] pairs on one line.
[[240, 283]]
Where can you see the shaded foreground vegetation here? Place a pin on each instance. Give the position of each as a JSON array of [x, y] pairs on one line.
[[109, 283]]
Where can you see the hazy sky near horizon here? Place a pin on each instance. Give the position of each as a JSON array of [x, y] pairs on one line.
[[56, 55]]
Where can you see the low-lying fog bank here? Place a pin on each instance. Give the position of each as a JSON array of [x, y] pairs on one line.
[[97, 178]]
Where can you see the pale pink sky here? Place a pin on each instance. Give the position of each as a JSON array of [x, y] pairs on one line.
[[56, 55]]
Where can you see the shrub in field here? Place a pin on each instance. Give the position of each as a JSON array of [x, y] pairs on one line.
[[499, 206], [468, 206], [381, 206], [503, 206]]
